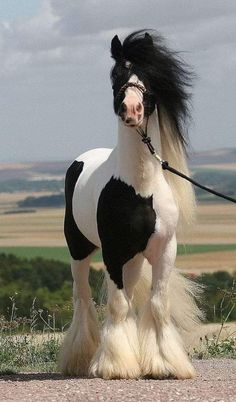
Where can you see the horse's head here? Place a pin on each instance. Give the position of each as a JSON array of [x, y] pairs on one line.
[[147, 74], [133, 99]]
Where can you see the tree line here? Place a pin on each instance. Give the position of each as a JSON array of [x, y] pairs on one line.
[[54, 200], [49, 284]]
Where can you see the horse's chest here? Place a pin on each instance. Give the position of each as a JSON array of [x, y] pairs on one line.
[[125, 219]]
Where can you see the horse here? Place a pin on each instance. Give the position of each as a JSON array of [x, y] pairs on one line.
[[120, 201]]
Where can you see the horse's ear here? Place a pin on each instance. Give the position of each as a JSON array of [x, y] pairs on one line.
[[148, 38], [116, 48]]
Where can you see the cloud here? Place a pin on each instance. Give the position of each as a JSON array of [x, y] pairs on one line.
[[80, 17], [54, 71], [78, 29]]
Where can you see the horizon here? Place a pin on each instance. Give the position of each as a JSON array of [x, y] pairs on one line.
[[196, 153]]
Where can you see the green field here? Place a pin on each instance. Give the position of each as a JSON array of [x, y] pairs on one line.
[[50, 253], [62, 254]]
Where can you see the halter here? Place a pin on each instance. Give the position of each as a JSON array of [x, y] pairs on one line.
[[147, 95], [140, 87]]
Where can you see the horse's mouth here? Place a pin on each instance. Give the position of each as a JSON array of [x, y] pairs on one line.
[[134, 124]]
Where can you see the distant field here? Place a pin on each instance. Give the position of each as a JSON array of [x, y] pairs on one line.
[[215, 224], [62, 253], [210, 245], [208, 262], [54, 253], [194, 259]]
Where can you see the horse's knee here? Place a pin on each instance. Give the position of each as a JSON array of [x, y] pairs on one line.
[[82, 292], [80, 273], [118, 305], [160, 307]]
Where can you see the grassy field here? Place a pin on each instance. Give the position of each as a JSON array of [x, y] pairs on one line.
[[62, 254]]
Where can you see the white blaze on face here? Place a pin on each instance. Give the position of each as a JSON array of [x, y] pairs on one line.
[[133, 110]]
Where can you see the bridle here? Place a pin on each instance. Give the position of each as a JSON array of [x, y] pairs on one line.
[[147, 96], [122, 90], [142, 132]]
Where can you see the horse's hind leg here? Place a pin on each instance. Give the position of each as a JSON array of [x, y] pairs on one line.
[[118, 353], [162, 351], [82, 338]]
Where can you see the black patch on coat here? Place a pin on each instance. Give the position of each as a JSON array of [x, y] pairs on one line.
[[80, 247], [125, 223]]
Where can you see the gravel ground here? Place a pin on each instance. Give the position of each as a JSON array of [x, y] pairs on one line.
[[216, 381]]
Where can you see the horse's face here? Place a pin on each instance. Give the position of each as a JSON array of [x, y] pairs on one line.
[[132, 98], [131, 108]]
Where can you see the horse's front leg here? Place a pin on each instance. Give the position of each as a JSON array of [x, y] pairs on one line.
[[118, 353], [82, 338], [162, 351]]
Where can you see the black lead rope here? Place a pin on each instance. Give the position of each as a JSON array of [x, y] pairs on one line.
[[165, 166]]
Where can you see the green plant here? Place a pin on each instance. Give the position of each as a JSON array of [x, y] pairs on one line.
[[28, 352], [214, 347], [218, 346], [219, 298], [32, 343], [23, 347]]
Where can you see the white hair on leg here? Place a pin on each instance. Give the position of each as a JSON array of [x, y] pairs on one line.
[[82, 338], [162, 350], [118, 354], [183, 293]]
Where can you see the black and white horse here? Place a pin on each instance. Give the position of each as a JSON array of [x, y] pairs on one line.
[[119, 200]]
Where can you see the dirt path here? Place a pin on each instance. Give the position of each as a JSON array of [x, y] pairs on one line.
[[215, 382]]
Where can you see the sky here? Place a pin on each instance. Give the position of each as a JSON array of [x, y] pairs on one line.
[[55, 92]]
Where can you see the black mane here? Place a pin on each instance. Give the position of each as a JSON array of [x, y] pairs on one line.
[[161, 70]]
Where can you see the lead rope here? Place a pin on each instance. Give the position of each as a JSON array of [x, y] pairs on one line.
[[165, 166]]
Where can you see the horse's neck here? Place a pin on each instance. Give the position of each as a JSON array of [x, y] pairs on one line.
[[135, 164]]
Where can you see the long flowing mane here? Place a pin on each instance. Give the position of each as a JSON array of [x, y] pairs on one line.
[[170, 80]]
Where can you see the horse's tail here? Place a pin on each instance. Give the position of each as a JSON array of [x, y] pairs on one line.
[[173, 151], [183, 294]]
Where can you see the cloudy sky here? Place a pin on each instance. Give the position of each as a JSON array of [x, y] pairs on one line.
[[55, 97]]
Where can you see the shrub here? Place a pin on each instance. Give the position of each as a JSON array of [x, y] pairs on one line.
[[48, 282], [219, 295]]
